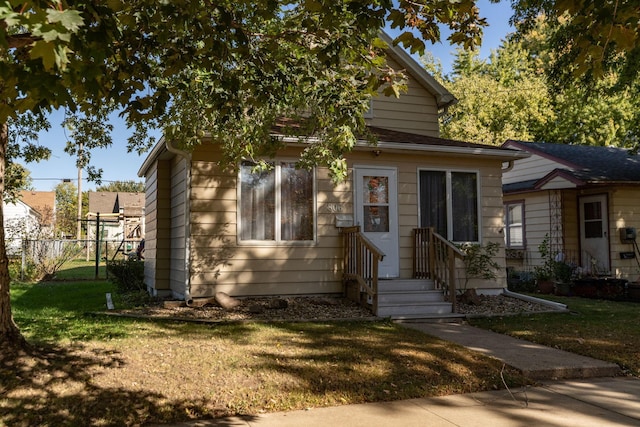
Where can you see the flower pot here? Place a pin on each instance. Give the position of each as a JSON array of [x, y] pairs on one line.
[[545, 286], [562, 288]]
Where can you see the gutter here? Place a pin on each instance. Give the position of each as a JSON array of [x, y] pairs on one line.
[[402, 147], [187, 215]]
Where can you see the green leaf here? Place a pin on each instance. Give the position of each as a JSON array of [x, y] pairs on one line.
[[46, 52], [70, 19]]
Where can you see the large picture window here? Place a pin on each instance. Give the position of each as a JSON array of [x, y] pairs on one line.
[[514, 225], [449, 204], [277, 204]]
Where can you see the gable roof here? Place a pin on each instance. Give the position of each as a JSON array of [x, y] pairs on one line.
[[43, 202], [105, 202], [580, 164]]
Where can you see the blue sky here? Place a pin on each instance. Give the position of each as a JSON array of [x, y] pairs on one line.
[[118, 165]]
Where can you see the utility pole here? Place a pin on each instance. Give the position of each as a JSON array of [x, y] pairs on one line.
[[79, 220]]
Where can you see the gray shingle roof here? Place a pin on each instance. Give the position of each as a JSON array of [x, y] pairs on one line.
[[590, 164]]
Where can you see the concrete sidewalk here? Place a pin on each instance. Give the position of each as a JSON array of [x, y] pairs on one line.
[[579, 403]]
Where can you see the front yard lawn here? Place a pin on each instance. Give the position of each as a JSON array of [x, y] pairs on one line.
[[94, 370]]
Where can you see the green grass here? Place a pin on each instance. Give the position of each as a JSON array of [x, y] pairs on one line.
[[605, 330], [80, 269], [60, 311]]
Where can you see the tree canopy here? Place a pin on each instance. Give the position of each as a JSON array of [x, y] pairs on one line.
[[513, 95], [590, 38], [130, 186]]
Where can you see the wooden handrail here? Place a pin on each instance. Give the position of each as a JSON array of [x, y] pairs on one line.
[[361, 259], [434, 257]]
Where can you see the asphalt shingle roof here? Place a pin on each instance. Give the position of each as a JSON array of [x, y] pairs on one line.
[[591, 164]]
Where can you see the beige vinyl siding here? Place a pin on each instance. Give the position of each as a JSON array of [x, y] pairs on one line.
[[534, 167], [157, 217], [415, 111], [178, 278], [220, 263], [625, 212]]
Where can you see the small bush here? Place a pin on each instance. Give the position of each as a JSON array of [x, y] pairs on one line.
[[16, 273], [128, 275], [521, 281]]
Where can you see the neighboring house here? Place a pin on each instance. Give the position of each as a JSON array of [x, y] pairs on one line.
[[44, 202], [32, 216], [20, 221], [283, 232], [121, 215], [585, 199]]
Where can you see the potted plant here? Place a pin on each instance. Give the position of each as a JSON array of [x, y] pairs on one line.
[[562, 275]]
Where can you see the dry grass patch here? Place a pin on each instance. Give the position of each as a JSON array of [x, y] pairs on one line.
[[169, 372]]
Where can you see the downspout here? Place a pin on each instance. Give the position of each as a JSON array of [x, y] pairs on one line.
[[187, 215], [510, 165]]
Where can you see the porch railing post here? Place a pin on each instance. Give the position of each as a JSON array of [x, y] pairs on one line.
[[452, 276], [432, 254]]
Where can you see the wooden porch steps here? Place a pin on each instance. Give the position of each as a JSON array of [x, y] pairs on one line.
[[411, 299]]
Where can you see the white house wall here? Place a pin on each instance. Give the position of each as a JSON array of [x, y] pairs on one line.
[[531, 168]]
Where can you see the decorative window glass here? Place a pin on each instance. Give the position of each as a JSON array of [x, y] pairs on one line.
[[449, 204], [376, 203], [514, 225], [277, 204]]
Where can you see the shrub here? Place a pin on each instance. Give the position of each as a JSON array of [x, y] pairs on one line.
[[17, 273], [128, 275]]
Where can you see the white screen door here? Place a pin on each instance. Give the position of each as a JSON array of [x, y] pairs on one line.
[[594, 233], [376, 212]]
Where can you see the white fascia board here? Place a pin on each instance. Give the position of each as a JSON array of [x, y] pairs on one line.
[[405, 147]]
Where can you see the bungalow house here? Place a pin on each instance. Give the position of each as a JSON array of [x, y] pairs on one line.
[[292, 232], [584, 200]]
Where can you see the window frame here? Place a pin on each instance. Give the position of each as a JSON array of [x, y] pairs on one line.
[[507, 243], [277, 161], [449, 202]]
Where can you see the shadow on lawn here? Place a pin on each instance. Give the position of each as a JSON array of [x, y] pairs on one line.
[[53, 386]]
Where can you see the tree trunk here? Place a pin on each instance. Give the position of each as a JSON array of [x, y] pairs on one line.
[[9, 332]]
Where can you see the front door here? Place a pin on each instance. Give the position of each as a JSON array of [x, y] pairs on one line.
[[594, 233], [376, 212]]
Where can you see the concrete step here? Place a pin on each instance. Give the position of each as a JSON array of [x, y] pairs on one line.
[[398, 297], [402, 285], [414, 310]]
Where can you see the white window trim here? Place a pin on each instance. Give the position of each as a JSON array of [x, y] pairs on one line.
[[448, 172], [276, 242], [507, 243]]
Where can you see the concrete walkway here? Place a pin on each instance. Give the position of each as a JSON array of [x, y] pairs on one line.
[[536, 361], [593, 398]]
